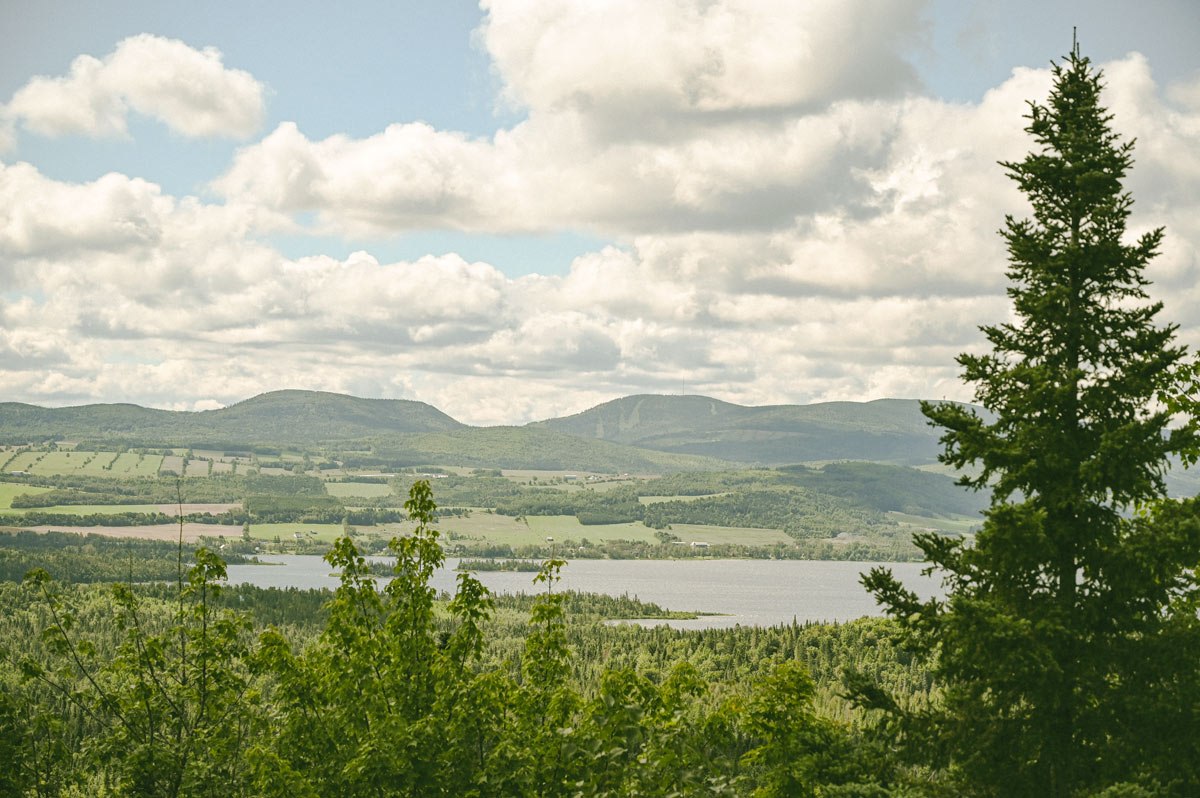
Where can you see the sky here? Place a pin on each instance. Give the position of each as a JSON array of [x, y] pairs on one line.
[[522, 208]]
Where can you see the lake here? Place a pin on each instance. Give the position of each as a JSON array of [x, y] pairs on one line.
[[747, 592]]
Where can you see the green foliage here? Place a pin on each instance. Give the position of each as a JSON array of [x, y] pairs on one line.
[[40, 518], [1060, 642], [218, 488], [887, 430], [798, 512], [537, 448], [169, 713], [888, 488], [280, 416], [161, 691], [73, 558]]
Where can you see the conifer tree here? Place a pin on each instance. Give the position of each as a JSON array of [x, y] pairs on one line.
[[1068, 644]]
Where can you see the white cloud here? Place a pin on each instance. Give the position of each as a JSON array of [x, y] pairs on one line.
[[625, 63], [789, 230], [190, 90], [642, 116]]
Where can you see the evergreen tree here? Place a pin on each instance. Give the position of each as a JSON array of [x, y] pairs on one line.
[[1069, 642]]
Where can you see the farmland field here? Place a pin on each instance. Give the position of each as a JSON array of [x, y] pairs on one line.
[[8, 490], [325, 532], [690, 498], [561, 527], [363, 490], [533, 531], [89, 509], [133, 464], [23, 461], [52, 463], [729, 534], [955, 525]]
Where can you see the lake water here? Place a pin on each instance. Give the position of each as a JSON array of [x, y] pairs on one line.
[[747, 592]]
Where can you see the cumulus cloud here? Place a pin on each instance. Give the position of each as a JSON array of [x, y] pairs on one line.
[[189, 90], [626, 63], [641, 116], [786, 229]]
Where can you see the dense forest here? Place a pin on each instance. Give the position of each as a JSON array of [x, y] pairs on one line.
[[1063, 659], [190, 688]]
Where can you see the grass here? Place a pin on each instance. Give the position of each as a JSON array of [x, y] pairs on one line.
[[364, 490], [61, 463], [131, 464], [494, 528], [90, 509], [692, 498], [729, 534], [958, 524], [23, 461], [325, 532], [8, 490], [561, 527], [83, 462]]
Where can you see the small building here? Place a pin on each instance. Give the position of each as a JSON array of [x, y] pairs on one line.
[[699, 544]]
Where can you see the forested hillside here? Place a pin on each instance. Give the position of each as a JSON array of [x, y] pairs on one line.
[[189, 689], [637, 434], [886, 430], [288, 417]]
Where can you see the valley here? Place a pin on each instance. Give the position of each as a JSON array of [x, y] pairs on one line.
[[291, 471]]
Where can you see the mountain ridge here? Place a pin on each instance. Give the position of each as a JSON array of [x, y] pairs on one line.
[[691, 431], [884, 430]]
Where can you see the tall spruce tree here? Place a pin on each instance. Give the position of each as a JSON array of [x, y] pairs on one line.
[[1068, 643]]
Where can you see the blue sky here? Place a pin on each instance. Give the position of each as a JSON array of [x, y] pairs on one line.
[[597, 199]]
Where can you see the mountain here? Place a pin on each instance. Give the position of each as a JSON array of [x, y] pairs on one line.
[[885, 430], [637, 434], [279, 417], [530, 447]]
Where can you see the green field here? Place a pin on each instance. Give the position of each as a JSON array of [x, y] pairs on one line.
[[51, 463], [526, 474], [23, 461], [132, 464], [561, 527], [533, 531], [8, 490], [729, 534], [84, 462], [956, 525], [286, 532], [691, 498], [363, 490], [89, 509]]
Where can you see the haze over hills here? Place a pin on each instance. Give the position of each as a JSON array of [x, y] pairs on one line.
[[644, 434]]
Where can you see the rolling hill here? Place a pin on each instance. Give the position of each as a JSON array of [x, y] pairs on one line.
[[885, 430], [279, 417], [636, 434]]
